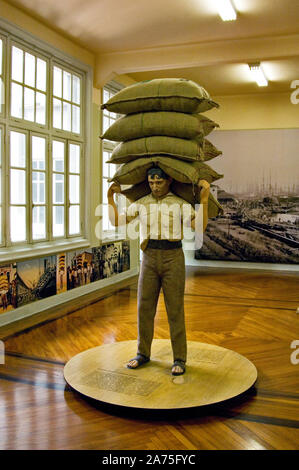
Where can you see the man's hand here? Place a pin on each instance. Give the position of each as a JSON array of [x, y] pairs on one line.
[[114, 188], [205, 191]]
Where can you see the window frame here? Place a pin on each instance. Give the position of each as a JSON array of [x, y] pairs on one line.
[[47, 195], [72, 71], [12, 35], [31, 124]]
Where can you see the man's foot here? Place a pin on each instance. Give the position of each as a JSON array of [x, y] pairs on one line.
[[138, 361], [178, 367]]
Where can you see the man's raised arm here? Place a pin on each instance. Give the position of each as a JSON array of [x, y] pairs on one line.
[[115, 219], [204, 199]]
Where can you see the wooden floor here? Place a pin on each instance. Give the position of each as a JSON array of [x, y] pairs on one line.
[[250, 312]]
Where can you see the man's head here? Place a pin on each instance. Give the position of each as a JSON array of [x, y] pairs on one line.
[[159, 182]]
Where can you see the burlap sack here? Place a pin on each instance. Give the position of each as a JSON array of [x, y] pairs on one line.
[[172, 124], [135, 172], [183, 149], [164, 94], [209, 151], [188, 192]]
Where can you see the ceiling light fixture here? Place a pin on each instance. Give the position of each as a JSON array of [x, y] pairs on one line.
[[226, 10], [258, 74]]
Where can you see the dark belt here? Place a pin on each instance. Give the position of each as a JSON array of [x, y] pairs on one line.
[[164, 244]]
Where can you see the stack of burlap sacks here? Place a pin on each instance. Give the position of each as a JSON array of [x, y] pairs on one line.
[[162, 127]]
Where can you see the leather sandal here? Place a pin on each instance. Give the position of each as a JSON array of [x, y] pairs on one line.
[[180, 364], [141, 359]]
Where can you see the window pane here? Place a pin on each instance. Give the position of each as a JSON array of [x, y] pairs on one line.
[[58, 188], [38, 153], [29, 69], [57, 82], [57, 113], [38, 223], [106, 96], [107, 168], [40, 108], [17, 149], [67, 85], [28, 104], [17, 64], [105, 220], [106, 123], [58, 155], [74, 189], [18, 231], [74, 220], [16, 108], [58, 221], [76, 119], [74, 158], [41, 74], [38, 188], [76, 89], [105, 189], [66, 116], [17, 187]]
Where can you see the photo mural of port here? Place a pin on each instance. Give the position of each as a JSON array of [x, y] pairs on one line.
[[28, 281], [260, 197]]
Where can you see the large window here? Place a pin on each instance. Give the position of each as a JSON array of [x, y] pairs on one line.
[[42, 146], [108, 169]]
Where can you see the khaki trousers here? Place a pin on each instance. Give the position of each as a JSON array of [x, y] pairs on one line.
[[166, 269]]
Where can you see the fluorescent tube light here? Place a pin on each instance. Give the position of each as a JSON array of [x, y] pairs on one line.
[[226, 10], [258, 74]]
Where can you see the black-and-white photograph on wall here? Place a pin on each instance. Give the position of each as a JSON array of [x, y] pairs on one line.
[[260, 197]]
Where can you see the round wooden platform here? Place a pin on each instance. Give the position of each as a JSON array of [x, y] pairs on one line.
[[213, 374]]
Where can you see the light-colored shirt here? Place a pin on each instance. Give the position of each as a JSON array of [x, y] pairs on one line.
[[161, 219]]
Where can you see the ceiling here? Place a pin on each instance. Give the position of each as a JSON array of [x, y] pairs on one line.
[[118, 26]]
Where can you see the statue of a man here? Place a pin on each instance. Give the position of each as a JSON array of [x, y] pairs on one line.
[[161, 216]]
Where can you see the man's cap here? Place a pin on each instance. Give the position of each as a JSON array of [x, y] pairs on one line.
[[157, 171]]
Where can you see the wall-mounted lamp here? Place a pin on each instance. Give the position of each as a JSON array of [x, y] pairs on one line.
[[258, 74], [226, 10]]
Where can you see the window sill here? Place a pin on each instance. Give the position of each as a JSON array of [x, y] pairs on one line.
[[17, 253], [111, 236]]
